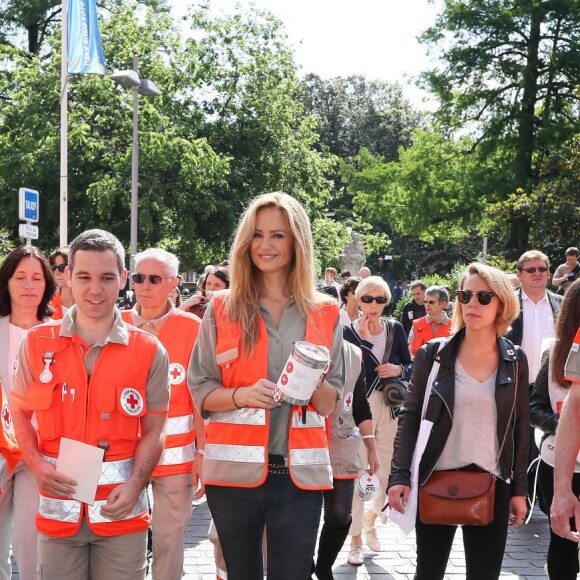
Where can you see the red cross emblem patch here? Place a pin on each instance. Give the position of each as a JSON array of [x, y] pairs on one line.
[[6, 417], [348, 402], [131, 401], [176, 374]]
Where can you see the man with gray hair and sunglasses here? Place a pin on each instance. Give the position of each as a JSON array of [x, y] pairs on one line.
[[175, 478]]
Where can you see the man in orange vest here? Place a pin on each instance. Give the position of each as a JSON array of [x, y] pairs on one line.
[[155, 278], [93, 379], [435, 324]]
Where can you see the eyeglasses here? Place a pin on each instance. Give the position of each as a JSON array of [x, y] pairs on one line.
[[61, 268], [366, 299], [431, 301], [153, 278], [483, 297], [542, 269]]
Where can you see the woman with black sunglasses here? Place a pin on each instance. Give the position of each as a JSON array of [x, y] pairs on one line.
[[63, 298], [371, 332], [479, 409]]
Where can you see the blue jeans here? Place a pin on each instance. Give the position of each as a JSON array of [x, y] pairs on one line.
[[291, 516]]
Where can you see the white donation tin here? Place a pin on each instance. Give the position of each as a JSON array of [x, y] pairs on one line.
[[368, 486], [302, 373]]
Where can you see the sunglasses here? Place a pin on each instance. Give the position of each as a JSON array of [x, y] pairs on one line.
[[542, 269], [483, 297], [370, 299], [431, 301], [61, 268], [153, 278]]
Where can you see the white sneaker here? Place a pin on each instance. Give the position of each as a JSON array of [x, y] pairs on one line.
[[372, 540], [356, 556]]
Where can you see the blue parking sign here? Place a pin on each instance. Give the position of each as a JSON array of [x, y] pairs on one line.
[[28, 201]]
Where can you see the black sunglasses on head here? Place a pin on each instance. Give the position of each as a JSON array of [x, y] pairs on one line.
[[61, 268], [366, 299], [483, 297], [153, 278]]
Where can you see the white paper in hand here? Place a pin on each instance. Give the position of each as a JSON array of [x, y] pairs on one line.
[[407, 520], [83, 463]]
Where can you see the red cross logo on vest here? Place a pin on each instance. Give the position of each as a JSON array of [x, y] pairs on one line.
[[131, 402], [6, 417], [348, 402], [176, 374]]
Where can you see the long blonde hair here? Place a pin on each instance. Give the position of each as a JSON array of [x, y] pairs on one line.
[[499, 283], [243, 302]]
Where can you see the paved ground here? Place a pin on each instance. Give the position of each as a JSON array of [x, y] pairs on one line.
[[525, 553], [524, 559]]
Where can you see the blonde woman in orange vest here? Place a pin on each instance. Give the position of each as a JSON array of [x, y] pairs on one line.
[[266, 463]]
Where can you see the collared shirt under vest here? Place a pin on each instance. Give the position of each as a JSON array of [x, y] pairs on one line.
[[236, 451], [177, 331], [100, 405]]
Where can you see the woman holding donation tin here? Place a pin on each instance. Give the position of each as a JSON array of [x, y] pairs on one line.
[[385, 355], [478, 444], [266, 462]]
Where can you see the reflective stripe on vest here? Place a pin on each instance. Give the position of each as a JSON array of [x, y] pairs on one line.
[[313, 419], [111, 471], [94, 511], [69, 510], [3, 472], [236, 453], [309, 456], [177, 455], [178, 425], [244, 416]]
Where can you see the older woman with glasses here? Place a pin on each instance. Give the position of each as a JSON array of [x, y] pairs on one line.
[[478, 405], [385, 354]]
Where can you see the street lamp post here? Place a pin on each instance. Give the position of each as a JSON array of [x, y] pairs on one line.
[[130, 78]]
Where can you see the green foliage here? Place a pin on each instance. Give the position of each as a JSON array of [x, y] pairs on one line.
[[225, 128], [553, 208]]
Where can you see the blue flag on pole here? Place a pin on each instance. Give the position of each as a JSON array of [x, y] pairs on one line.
[[85, 49]]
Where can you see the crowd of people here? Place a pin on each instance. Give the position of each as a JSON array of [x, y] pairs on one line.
[[191, 398]]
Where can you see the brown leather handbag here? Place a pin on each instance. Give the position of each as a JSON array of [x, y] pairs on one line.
[[457, 498]]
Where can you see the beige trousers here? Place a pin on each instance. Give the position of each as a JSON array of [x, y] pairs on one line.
[[18, 507], [385, 428], [86, 556], [172, 504]]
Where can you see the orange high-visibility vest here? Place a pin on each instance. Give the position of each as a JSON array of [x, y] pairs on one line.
[[236, 448], [10, 454], [103, 411], [423, 332], [178, 335], [56, 303]]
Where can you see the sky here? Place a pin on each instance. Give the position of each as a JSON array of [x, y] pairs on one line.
[[374, 38]]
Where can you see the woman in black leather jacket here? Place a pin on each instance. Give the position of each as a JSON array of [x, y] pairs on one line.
[[548, 394], [480, 414]]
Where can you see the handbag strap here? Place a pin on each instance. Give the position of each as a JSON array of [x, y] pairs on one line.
[[390, 329], [429, 388]]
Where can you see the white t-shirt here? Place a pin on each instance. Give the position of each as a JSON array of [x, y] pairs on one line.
[[379, 341], [17, 334]]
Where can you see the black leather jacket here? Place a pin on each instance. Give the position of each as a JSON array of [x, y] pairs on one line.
[[542, 415], [514, 426]]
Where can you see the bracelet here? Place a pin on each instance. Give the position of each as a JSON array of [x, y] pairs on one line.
[[234, 398], [368, 437]]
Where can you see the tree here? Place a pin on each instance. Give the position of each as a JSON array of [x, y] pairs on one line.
[[353, 112], [216, 136], [508, 73]]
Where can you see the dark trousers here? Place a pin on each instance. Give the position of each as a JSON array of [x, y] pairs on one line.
[[562, 553], [484, 545], [291, 516], [337, 519]]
